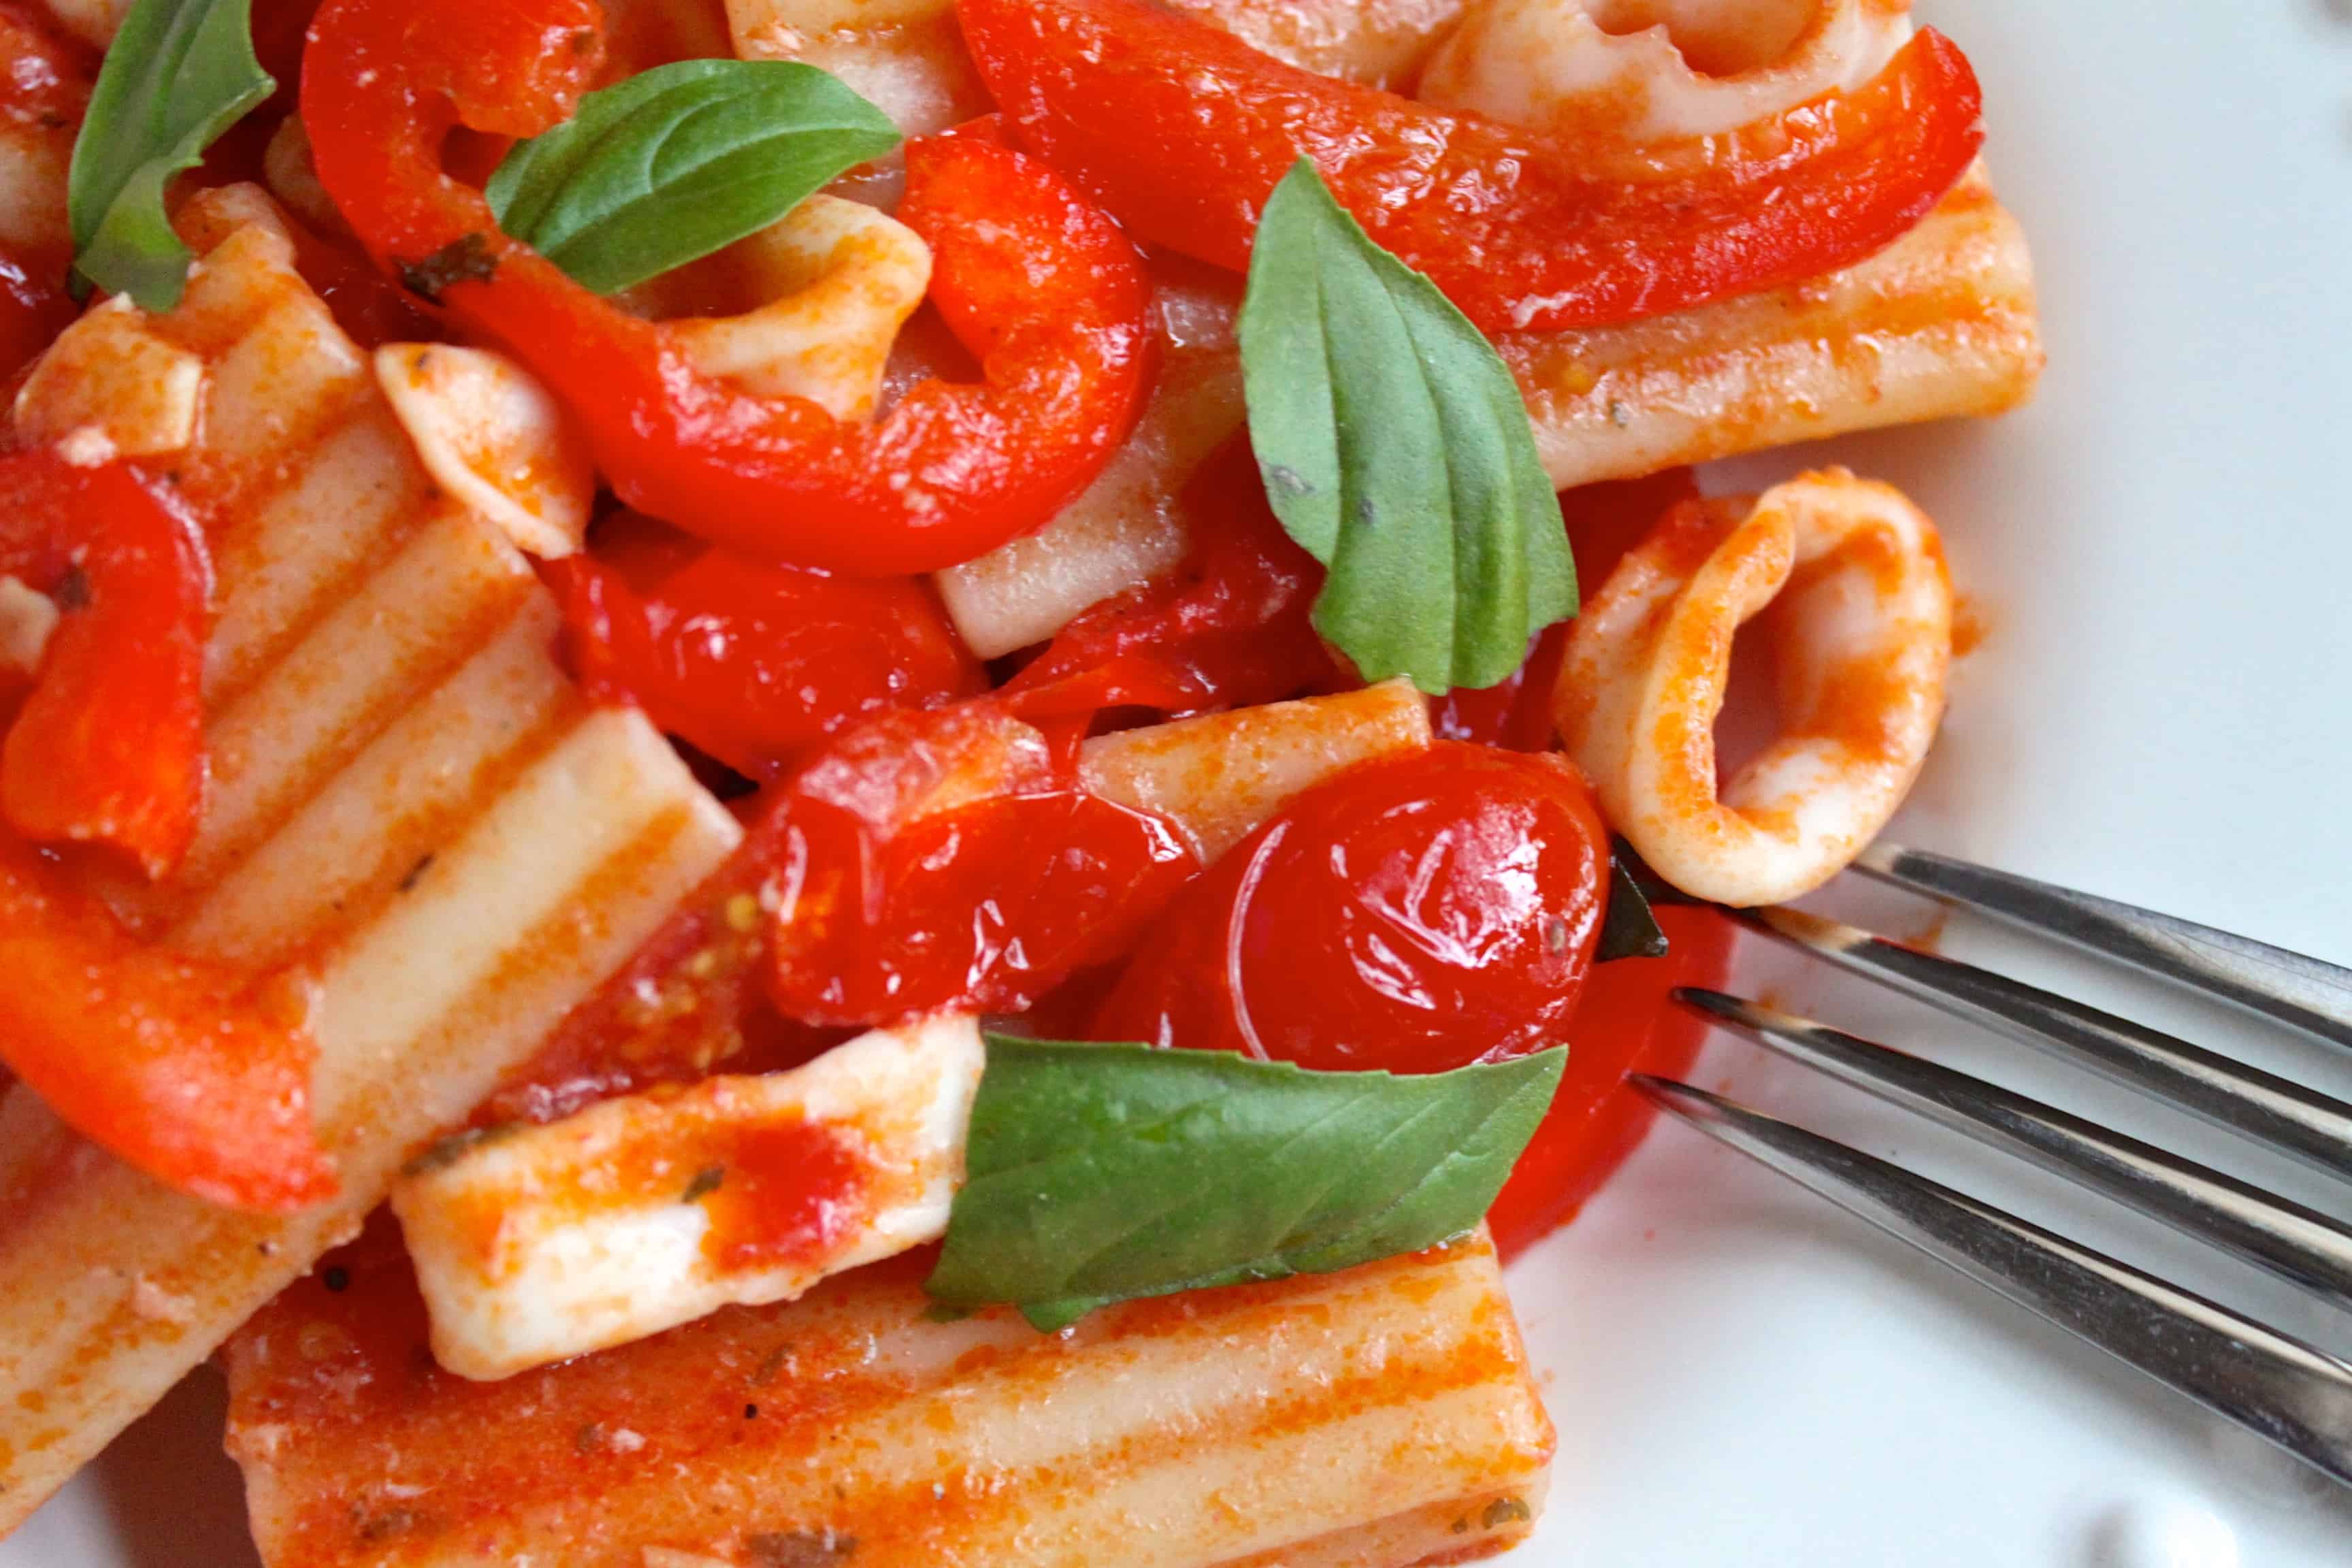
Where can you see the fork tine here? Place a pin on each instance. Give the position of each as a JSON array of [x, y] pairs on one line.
[[2303, 1121], [2277, 1387], [2288, 1239], [2290, 988]]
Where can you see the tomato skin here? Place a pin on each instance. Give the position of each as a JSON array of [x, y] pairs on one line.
[[1182, 131], [1626, 1021], [33, 309], [1415, 914], [1006, 880], [754, 664]]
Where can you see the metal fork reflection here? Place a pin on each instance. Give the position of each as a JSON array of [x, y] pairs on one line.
[[2273, 1385]]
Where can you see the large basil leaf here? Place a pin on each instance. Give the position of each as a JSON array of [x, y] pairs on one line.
[[1396, 450], [179, 73], [679, 162], [1098, 1173]]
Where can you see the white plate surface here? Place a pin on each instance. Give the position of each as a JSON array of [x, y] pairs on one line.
[[1741, 1375]]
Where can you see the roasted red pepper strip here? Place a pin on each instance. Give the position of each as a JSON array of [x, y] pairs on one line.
[[180, 1068], [754, 664], [1181, 131], [110, 746], [1039, 285]]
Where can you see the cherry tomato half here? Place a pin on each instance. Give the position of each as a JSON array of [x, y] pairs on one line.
[[753, 663], [1626, 1022], [943, 860], [1416, 914]]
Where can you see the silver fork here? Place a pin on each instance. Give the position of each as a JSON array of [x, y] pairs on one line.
[[2271, 1383]]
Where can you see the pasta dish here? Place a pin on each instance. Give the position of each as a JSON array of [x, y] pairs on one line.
[[796, 783]]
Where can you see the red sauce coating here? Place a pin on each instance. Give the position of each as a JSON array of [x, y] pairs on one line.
[[1416, 914], [789, 1192]]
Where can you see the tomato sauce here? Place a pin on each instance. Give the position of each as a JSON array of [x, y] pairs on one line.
[[786, 1192]]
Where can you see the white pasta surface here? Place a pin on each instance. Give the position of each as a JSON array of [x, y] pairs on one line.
[[549, 1242]]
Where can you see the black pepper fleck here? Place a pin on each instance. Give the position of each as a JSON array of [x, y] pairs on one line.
[[336, 1277]]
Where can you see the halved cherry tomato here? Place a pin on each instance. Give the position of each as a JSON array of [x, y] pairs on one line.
[[1416, 914], [949, 860], [1182, 131], [193, 1074], [753, 664], [1036, 282], [1626, 1022], [109, 748]]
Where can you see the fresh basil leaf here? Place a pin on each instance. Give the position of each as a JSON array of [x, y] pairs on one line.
[[179, 73], [679, 162], [1628, 929], [1103, 1173], [1396, 450]]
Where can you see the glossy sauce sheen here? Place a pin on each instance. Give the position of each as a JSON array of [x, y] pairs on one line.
[[1416, 915]]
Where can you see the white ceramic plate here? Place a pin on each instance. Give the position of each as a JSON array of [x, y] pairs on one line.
[[1740, 1374]]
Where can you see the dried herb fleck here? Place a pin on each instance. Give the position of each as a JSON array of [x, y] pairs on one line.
[[706, 1182], [1506, 1511], [798, 1548], [466, 259]]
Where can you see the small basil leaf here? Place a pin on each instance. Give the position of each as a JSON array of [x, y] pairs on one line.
[[679, 162], [1395, 449], [1629, 929], [179, 73], [1104, 1172]]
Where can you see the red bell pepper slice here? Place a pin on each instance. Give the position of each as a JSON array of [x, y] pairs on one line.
[[1182, 131], [754, 664], [1043, 288], [196, 1075], [109, 748]]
